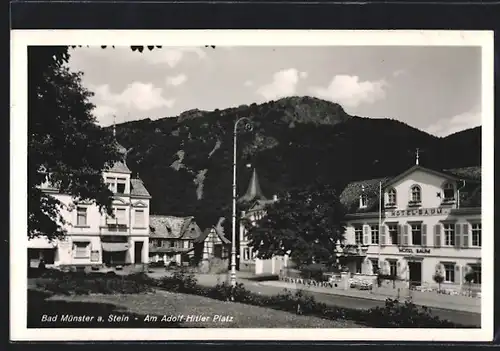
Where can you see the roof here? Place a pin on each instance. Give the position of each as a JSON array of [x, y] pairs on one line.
[[138, 188], [470, 195], [471, 173], [443, 174], [254, 192], [218, 229], [259, 205], [120, 166], [170, 227], [352, 192]]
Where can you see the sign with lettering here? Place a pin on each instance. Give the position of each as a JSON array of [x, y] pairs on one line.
[[419, 250], [418, 212]]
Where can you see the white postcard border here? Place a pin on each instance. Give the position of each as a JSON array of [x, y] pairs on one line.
[[21, 39]]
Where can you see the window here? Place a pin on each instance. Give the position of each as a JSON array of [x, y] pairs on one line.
[[363, 201], [116, 185], [416, 233], [139, 218], [476, 269], [449, 234], [121, 217], [81, 216], [246, 254], [391, 197], [374, 265], [476, 234], [120, 185], [449, 272], [449, 192], [358, 267], [416, 195], [110, 182], [81, 249], [358, 234], [374, 230], [393, 233], [393, 268]]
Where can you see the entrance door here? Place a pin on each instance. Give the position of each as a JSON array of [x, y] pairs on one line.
[[415, 269], [138, 251]]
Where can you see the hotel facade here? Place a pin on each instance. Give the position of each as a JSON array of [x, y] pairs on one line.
[[92, 237], [418, 223]]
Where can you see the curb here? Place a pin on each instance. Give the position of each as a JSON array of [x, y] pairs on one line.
[[371, 299]]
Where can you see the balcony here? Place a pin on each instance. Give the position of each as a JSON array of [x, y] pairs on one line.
[[448, 201], [390, 205], [354, 250], [414, 203], [115, 229]]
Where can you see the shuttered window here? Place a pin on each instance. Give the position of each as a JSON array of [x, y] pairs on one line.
[[405, 235], [465, 235], [437, 235], [366, 235], [382, 235]]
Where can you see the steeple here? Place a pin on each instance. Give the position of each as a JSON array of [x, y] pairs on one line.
[[417, 156], [114, 126], [254, 192]]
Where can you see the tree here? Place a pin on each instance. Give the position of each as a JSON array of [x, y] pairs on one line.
[[304, 223], [65, 145], [469, 278], [438, 278]]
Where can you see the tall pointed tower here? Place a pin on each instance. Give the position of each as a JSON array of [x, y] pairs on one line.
[[254, 192]]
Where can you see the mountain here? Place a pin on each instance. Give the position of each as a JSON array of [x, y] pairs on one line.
[[186, 162]]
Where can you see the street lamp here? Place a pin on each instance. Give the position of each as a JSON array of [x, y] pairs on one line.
[[248, 127]]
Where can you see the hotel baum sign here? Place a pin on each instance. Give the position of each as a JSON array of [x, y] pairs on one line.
[[418, 212]]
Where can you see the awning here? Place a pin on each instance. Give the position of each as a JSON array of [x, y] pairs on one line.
[[115, 247], [41, 243]]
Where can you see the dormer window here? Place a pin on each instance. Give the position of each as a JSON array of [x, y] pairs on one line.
[[116, 185], [391, 197], [416, 195], [363, 201], [449, 191]]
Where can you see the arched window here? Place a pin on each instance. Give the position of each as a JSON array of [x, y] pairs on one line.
[[449, 191], [416, 194], [363, 201], [391, 196]]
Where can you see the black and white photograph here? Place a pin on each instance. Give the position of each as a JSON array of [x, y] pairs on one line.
[[262, 185]]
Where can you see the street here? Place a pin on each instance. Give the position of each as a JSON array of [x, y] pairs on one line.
[[466, 318]]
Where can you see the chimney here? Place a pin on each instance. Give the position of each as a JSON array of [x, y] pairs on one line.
[[275, 198]]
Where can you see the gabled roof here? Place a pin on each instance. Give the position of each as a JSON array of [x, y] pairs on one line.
[[218, 229], [446, 175], [137, 188], [170, 227]]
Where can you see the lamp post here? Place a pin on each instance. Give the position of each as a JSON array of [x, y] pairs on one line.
[[248, 127]]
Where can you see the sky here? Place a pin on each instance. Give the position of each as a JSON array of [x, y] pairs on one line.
[[435, 89]]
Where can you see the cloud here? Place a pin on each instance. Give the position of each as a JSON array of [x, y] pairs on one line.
[[137, 95], [284, 84], [171, 56], [349, 91], [248, 83], [399, 72], [466, 120], [176, 80]]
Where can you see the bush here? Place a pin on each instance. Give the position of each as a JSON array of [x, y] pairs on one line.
[[403, 315], [314, 271], [179, 282], [81, 283]]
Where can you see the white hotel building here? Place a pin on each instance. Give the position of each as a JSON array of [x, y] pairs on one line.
[[93, 238], [429, 221]]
